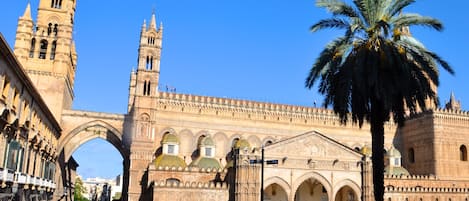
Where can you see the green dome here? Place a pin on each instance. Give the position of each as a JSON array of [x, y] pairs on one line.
[[166, 160], [170, 138], [205, 162], [241, 144], [396, 171], [393, 152], [207, 141], [366, 150]]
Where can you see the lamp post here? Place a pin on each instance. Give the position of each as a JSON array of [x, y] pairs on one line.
[[261, 161], [262, 173]]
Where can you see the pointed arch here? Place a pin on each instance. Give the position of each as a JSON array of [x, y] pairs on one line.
[[88, 131], [32, 48], [43, 49], [463, 153], [313, 175], [53, 49]]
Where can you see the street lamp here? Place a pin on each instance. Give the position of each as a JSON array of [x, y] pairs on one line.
[[261, 161]]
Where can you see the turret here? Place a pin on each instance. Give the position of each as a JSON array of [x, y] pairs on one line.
[[453, 104], [144, 81], [47, 51]]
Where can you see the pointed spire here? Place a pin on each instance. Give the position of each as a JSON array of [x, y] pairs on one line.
[[161, 26], [452, 98], [144, 25], [27, 11], [153, 21], [453, 104]]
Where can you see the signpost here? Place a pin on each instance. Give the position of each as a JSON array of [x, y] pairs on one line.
[[261, 161]]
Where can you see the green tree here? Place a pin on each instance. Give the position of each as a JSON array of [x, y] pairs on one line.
[[79, 190], [376, 69]]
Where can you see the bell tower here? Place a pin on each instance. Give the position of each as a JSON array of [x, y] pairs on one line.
[[46, 50], [144, 81], [140, 122]]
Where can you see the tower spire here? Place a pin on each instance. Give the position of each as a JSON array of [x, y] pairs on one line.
[[27, 11], [153, 21]]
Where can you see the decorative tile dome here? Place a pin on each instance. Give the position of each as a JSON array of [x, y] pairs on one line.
[[170, 138], [206, 162], [241, 144], [166, 160], [366, 150]]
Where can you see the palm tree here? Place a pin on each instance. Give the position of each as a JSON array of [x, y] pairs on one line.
[[377, 69]]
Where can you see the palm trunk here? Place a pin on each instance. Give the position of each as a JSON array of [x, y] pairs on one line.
[[377, 137]]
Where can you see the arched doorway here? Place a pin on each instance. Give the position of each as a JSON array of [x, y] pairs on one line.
[[311, 190], [71, 141], [275, 192], [346, 193]]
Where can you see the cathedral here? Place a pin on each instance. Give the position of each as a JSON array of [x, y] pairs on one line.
[[188, 147]]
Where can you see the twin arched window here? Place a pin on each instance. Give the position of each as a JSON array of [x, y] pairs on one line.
[[146, 88], [149, 64], [56, 4]]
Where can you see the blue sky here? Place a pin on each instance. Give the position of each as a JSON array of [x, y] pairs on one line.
[[257, 50]]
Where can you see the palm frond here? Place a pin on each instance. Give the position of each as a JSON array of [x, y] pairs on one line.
[[330, 23], [440, 61], [334, 48], [411, 19], [398, 5], [338, 8]]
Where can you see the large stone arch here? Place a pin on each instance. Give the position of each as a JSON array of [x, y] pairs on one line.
[[88, 131], [279, 181], [314, 175], [347, 183]]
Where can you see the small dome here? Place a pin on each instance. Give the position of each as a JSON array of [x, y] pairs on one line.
[[241, 144], [205, 162], [166, 160], [207, 141], [170, 138], [366, 150], [396, 171], [393, 152]]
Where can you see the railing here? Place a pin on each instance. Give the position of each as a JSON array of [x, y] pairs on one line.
[[21, 178], [7, 175]]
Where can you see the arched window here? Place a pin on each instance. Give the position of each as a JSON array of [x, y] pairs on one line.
[[56, 4], [268, 142], [463, 153], [144, 87], [49, 29], [151, 63], [173, 180], [147, 66], [411, 155], [56, 29], [52, 51], [148, 88], [43, 50], [33, 46]]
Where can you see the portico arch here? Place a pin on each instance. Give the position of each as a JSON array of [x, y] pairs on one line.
[[88, 131], [311, 185], [347, 190], [282, 186]]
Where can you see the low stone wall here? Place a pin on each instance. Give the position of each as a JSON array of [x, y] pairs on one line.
[[190, 191]]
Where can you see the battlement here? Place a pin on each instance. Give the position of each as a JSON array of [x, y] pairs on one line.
[[188, 169], [419, 189], [413, 177], [192, 185], [213, 102]]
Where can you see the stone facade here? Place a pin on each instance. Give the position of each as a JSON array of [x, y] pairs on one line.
[[190, 147]]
